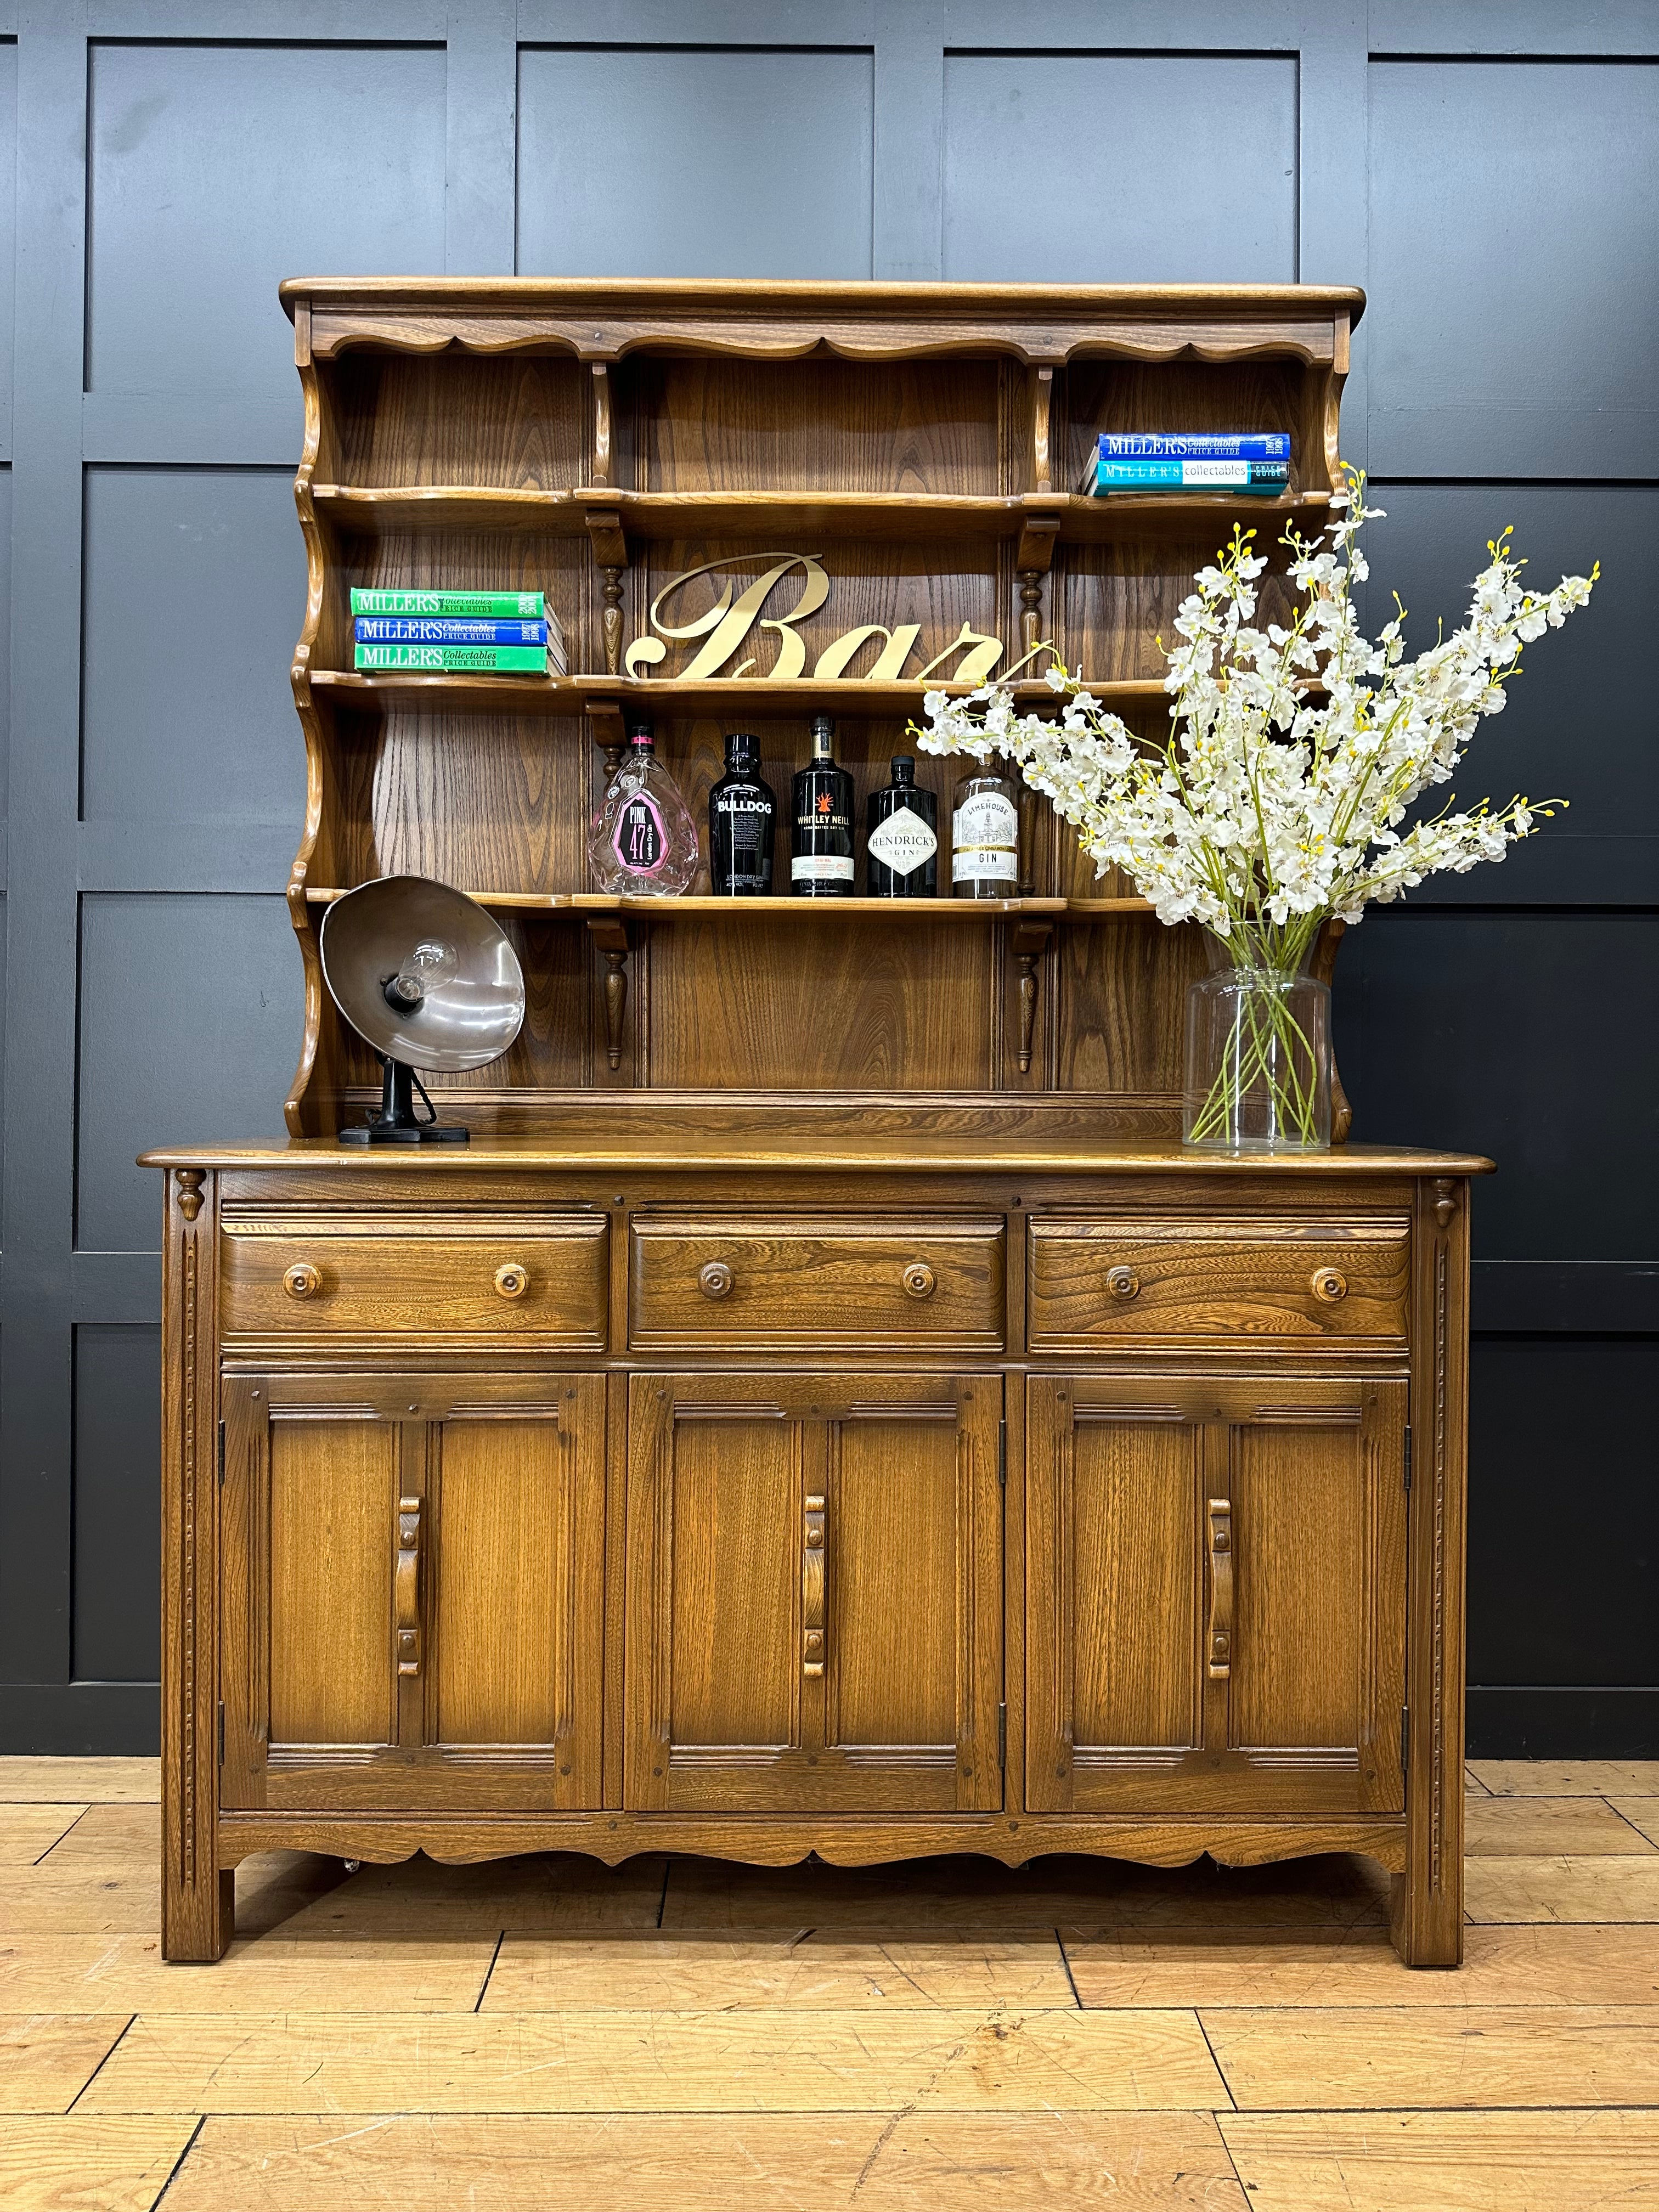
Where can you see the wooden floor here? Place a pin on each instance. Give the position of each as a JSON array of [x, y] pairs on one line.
[[680, 2035]]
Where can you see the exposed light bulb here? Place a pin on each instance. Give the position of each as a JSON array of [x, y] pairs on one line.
[[432, 961]]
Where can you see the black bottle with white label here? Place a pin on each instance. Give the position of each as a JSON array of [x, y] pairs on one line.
[[821, 825], [743, 815], [901, 847]]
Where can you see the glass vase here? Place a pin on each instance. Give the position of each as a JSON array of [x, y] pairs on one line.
[[1258, 1073]]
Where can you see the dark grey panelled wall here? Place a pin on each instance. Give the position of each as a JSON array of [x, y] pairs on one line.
[[1488, 169]]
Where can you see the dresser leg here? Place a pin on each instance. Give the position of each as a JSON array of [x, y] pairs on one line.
[[1427, 1925], [1428, 1901], [197, 1923], [198, 1899]]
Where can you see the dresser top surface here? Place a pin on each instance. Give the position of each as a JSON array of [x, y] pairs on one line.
[[706, 1139]]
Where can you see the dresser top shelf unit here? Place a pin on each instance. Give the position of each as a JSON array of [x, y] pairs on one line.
[[599, 439]]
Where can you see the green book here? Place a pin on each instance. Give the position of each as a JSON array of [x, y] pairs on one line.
[[447, 659], [501, 606]]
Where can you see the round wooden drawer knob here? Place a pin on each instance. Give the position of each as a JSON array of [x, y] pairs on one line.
[[512, 1281], [1329, 1286], [1123, 1283], [714, 1280], [920, 1280], [302, 1280]]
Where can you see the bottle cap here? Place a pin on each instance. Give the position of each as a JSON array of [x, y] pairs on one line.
[[823, 730], [904, 767], [640, 733], [742, 749]]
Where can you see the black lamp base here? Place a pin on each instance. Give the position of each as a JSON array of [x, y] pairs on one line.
[[396, 1122]]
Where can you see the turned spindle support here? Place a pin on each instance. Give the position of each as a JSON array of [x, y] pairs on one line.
[[611, 620], [610, 937], [1031, 942], [1030, 607]]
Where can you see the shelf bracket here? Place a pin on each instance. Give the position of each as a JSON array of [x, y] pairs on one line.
[[604, 718], [1031, 942], [605, 531], [610, 937]]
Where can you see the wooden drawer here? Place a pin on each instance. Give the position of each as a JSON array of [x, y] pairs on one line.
[[446, 1279], [766, 1284], [1098, 1282]]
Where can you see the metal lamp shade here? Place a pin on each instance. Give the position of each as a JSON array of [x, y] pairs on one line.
[[465, 1019]]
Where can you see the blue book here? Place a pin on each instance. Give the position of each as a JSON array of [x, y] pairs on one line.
[[1195, 445], [439, 629]]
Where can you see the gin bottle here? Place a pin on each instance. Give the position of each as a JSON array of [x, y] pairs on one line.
[[821, 829], [985, 836], [742, 815], [642, 840], [901, 849]]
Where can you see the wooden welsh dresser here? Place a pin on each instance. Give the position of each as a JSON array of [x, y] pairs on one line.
[[825, 1408]]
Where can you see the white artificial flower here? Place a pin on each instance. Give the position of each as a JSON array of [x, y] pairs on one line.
[[1296, 750]]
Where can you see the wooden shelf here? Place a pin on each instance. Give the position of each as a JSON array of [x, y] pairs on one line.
[[596, 905], [418, 509], [659, 516], [606, 697]]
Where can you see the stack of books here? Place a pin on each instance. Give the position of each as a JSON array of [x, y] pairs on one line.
[[1188, 460], [492, 632]]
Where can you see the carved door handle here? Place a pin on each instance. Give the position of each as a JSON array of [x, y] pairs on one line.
[[512, 1280], [1123, 1283], [302, 1280], [1220, 1640], [716, 1279], [811, 1587], [406, 1586], [1330, 1285], [920, 1280]]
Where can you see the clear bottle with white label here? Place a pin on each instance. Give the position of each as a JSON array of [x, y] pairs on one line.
[[985, 834], [901, 841], [642, 840]]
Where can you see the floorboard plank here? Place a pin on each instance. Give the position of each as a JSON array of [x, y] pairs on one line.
[[1502, 1966], [105, 1833], [1447, 2161], [262, 1974], [741, 2061], [28, 1781], [46, 2059], [1567, 1777], [653, 1970], [28, 1832], [789, 2162], [1642, 1813], [1567, 1889], [1545, 1827], [1433, 2058], [73, 2163]]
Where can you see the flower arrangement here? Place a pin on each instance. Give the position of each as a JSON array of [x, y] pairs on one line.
[[1279, 798]]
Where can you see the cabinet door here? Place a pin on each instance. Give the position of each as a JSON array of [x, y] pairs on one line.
[[414, 1591], [1216, 1594], [814, 1592]]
